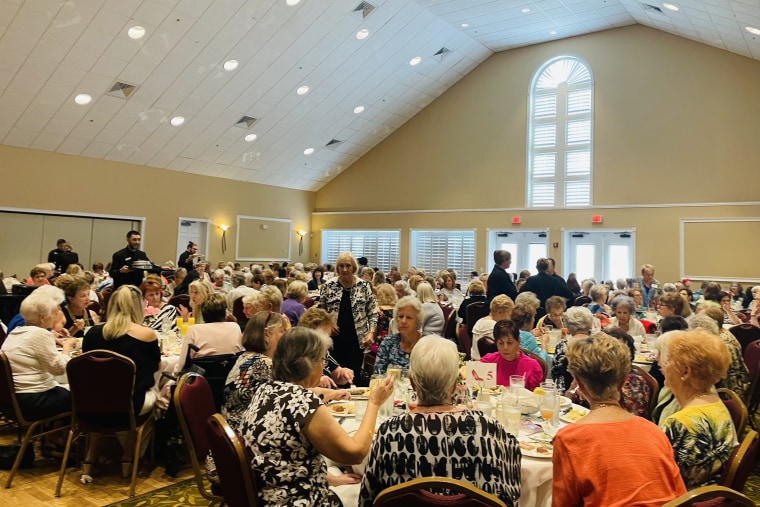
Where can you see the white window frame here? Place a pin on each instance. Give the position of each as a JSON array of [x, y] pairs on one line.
[[329, 254], [561, 149], [601, 239], [182, 243], [520, 259], [463, 270]]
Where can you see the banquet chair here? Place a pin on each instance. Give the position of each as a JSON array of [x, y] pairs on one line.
[[103, 406], [711, 496], [582, 301], [182, 299], [543, 364], [10, 410], [450, 328], [751, 355], [194, 404], [746, 334], [464, 341], [232, 464], [475, 311], [216, 369], [237, 310], [736, 408], [447, 310], [417, 492], [654, 386], [741, 463], [486, 345]]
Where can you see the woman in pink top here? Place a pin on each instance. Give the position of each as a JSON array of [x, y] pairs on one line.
[[215, 336], [610, 457], [508, 358]]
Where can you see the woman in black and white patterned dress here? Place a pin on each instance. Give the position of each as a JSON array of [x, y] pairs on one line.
[[439, 439], [287, 429]]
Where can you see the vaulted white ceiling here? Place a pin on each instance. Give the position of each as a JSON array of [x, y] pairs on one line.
[[53, 50]]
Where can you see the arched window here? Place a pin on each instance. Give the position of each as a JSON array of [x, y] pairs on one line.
[[560, 134]]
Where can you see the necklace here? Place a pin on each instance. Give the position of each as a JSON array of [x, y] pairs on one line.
[[698, 396], [603, 404]]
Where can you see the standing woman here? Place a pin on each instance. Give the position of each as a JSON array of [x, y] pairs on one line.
[[352, 300], [78, 317]]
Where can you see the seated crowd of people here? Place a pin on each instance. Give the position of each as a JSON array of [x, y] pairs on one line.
[[304, 334]]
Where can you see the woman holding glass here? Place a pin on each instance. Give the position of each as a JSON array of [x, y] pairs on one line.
[[606, 446], [407, 446]]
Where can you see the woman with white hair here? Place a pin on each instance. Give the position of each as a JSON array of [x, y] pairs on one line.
[[579, 322], [432, 319], [396, 349], [410, 446], [598, 295], [33, 357], [624, 310]]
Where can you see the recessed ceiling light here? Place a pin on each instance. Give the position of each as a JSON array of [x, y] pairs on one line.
[[670, 7], [82, 99], [526, 10], [752, 30], [136, 32], [177, 121], [302, 90], [464, 25], [292, 2], [358, 109], [553, 32], [414, 61], [230, 65], [308, 151], [250, 137], [362, 34]]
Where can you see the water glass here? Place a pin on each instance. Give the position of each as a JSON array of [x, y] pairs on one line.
[[511, 419], [386, 409], [517, 381], [411, 399]]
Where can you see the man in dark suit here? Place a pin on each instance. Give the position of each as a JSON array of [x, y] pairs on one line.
[[499, 281], [121, 263], [545, 285]]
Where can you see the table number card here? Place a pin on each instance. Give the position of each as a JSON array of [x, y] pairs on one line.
[[480, 374]]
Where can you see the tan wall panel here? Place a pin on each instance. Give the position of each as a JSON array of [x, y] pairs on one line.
[[161, 196], [675, 122], [264, 239], [76, 230], [709, 249], [21, 250], [109, 236]]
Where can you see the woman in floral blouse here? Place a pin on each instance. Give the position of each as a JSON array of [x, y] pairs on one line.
[[395, 349]]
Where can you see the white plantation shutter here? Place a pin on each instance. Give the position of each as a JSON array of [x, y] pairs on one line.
[[381, 248], [438, 249], [560, 135]]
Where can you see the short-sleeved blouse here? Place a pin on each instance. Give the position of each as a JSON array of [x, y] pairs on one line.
[[389, 352], [289, 470], [467, 445], [703, 438], [238, 389]]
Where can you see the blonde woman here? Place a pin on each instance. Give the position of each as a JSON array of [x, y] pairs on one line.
[[500, 309], [433, 319], [386, 302], [198, 291], [124, 333]]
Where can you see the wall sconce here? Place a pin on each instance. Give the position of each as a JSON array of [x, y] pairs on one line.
[[224, 228], [300, 234]]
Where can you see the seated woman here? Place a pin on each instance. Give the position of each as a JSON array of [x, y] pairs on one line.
[[34, 360], [598, 306], [270, 299], [78, 317], [624, 309], [317, 278], [262, 333], [729, 317], [215, 336], [500, 309], [395, 349], [334, 374], [293, 307], [448, 288], [198, 290], [638, 302], [635, 393], [606, 445], [409, 446], [579, 323], [510, 360], [402, 289], [386, 301], [701, 432], [288, 431], [124, 333], [38, 276], [156, 310], [523, 319], [477, 293], [432, 314], [671, 303], [555, 313]]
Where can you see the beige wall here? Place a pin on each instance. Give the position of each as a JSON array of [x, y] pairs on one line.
[[41, 180], [675, 122]]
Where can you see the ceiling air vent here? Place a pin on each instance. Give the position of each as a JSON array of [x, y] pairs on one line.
[[246, 122], [441, 53], [651, 8], [122, 90], [333, 142], [364, 9]]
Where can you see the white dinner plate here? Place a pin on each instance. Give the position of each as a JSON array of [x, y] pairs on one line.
[[536, 449], [342, 409], [574, 415]]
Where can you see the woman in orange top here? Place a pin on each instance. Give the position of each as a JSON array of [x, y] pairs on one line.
[[610, 457]]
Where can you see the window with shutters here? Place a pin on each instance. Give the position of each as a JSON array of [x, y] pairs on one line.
[[434, 250], [379, 247], [560, 135]]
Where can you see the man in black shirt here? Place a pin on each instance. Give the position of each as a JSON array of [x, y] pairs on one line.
[[187, 258], [121, 263], [499, 281], [54, 254]]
